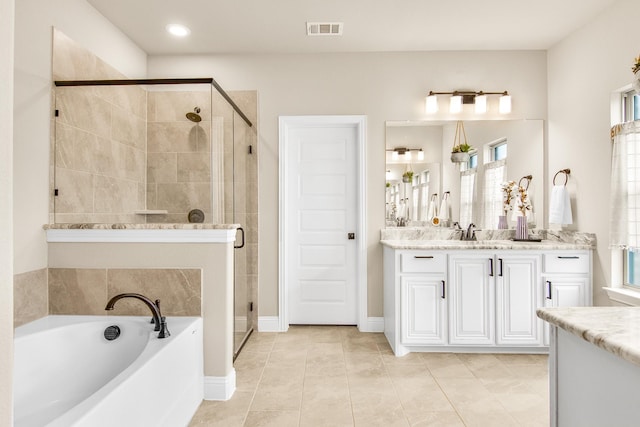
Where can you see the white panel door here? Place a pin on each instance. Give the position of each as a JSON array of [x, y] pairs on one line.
[[471, 305], [518, 297], [321, 211]]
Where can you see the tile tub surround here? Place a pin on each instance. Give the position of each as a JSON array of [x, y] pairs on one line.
[[30, 296], [86, 291], [613, 329], [337, 376]]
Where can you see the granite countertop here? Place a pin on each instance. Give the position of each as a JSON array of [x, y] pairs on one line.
[[158, 226], [614, 329], [446, 238], [483, 244]]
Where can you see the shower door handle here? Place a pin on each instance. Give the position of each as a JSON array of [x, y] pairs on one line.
[[351, 236], [241, 244]]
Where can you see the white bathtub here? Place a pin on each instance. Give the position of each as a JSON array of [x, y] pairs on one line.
[[67, 374]]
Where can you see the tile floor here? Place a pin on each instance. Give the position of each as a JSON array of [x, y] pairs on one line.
[[336, 376]]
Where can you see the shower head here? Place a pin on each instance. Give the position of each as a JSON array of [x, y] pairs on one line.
[[194, 117]]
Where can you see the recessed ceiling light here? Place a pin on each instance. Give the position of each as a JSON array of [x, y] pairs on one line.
[[178, 30]]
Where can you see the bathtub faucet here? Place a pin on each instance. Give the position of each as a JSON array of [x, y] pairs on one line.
[[158, 318]]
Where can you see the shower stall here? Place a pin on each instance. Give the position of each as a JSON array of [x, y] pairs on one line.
[[160, 151]]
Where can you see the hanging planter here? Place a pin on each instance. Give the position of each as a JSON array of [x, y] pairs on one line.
[[461, 149], [407, 177]]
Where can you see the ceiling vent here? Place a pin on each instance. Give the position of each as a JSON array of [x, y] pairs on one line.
[[324, 28]]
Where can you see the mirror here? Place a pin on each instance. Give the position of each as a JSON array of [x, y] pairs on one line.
[[524, 156]]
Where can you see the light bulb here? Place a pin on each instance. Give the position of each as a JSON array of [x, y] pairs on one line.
[[408, 155], [420, 155], [455, 104], [481, 103], [505, 104], [394, 155], [431, 104]]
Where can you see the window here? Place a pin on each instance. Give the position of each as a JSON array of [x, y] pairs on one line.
[[473, 161], [499, 151], [629, 179]]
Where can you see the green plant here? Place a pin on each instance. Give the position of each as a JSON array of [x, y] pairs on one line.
[[408, 175], [461, 148], [636, 65], [388, 184]]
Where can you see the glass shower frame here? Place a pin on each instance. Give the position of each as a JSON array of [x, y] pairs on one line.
[[233, 184]]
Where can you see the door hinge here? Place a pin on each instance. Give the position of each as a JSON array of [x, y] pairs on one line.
[[250, 149], [55, 191], [251, 306], [57, 113]]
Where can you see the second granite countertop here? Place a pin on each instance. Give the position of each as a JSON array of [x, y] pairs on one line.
[[614, 329]]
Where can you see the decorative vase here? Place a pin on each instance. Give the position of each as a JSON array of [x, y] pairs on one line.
[[459, 157], [636, 82], [502, 222], [522, 230]]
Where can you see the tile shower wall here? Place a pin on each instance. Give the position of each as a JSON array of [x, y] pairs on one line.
[[86, 291], [179, 155], [100, 141], [30, 296]]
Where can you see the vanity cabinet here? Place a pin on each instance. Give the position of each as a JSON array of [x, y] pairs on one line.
[[478, 300]]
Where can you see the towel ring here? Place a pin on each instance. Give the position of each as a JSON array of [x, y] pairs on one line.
[[445, 195], [528, 178], [566, 173]]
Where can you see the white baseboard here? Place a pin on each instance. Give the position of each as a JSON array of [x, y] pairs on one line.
[[269, 324], [373, 324], [272, 324], [220, 388]]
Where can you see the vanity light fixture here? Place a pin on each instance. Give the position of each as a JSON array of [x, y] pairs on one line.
[[178, 30], [459, 98], [406, 152]]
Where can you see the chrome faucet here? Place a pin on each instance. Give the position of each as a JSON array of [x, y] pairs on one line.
[[471, 232], [158, 318]]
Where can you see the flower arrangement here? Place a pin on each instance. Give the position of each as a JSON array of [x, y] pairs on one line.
[[507, 197], [636, 65], [523, 201]]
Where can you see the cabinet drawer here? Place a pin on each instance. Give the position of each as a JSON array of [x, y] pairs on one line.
[[566, 262], [422, 262]]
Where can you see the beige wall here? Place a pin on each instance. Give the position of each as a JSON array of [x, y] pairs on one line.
[[34, 21], [6, 211], [383, 86], [583, 71]]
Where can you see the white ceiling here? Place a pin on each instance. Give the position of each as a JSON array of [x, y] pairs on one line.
[[279, 26]]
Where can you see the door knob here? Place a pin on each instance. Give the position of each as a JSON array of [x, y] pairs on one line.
[[351, 236]]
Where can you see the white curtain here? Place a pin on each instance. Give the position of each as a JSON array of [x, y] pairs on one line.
[[625, 186], [467, 186], [495, 174]]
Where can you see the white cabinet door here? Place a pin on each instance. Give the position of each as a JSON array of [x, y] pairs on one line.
[[423, 307], [564, 291], [472, 299], [517, 298]]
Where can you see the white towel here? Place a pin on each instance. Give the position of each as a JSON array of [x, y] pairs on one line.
[[433, 211], [444, 209], [560, 206]]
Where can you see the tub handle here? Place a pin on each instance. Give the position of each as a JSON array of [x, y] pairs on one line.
[[241, 244]]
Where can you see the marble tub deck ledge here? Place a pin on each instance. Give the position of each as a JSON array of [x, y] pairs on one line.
[[613, 329]]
